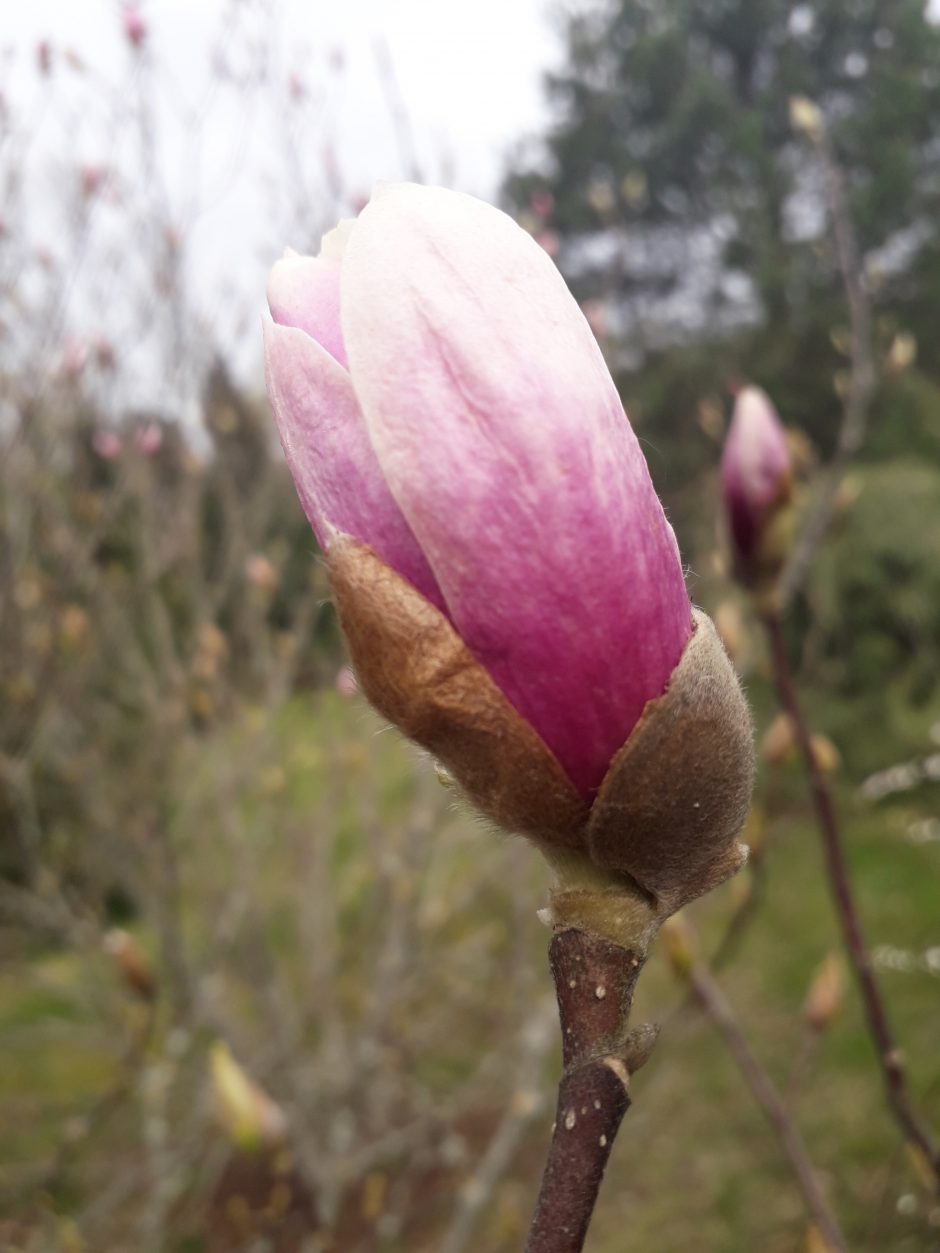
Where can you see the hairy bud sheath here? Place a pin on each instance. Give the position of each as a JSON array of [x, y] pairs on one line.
[[510, 589]]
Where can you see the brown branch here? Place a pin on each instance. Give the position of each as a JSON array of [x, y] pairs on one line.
[[713, 1002], [861, 381], [594, 982], [886, 1050]]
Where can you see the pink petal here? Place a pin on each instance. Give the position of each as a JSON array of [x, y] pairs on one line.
[[329, 455], [503, 439], [755, 466], [304, 292]]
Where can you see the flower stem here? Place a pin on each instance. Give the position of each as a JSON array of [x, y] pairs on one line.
[[713, 1002], [886, 1050], [594, 982]]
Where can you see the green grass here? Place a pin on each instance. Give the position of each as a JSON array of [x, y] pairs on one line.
[[695, 1167]]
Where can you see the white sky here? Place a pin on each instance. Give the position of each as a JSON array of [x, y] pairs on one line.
[[468, 72]]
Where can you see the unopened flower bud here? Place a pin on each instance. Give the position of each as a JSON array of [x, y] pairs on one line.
[[824, 998], [756, 484], [510, 590], [135, 28]]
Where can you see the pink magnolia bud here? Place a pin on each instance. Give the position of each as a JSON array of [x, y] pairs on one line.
[[440, 397], [92, 178], [149, 439], [595, 311], [74, 357], [107, 445], [550, 241], [755, 473], [135, 28], [345, 682], [542, 204]]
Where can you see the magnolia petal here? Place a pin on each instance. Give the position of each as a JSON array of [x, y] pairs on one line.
[[304, 292], [503, 439], [329, 455]]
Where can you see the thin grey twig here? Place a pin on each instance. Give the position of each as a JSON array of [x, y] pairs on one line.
[[713, 1002], [861, 385], [886, 1050]]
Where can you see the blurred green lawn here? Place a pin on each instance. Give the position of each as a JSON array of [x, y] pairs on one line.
[[695, 1166]]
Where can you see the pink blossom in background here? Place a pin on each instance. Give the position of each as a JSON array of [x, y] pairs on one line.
[[549, 241], [542, 204], [149, 439], [440, 397], [346, 683], [104, 353], [755, 467], [260, 572], [92, 178], [74, 357], [107, 445], [44, 56], [595, 311], [135, 29]]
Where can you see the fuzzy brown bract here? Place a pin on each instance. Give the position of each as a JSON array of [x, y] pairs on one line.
[[663, 828]]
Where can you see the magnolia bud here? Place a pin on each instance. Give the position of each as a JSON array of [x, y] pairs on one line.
[[510, 590], [756, 483]]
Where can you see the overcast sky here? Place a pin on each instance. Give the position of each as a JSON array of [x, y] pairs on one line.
[[468, 72], [465, 77]]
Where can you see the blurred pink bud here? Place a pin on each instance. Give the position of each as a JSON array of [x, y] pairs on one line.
[[337, 59], [44, 56], [595, 311], [260, 573], [755, 469], [104, 353], [295, 86], [92, 179], [107, 445], [549, 241], [441, 399], [542, 204], [74, 357], [135, 29], [346, 683], [149, 439]]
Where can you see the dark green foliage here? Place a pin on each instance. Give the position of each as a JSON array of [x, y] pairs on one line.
[[672, 119], [876, 586]]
